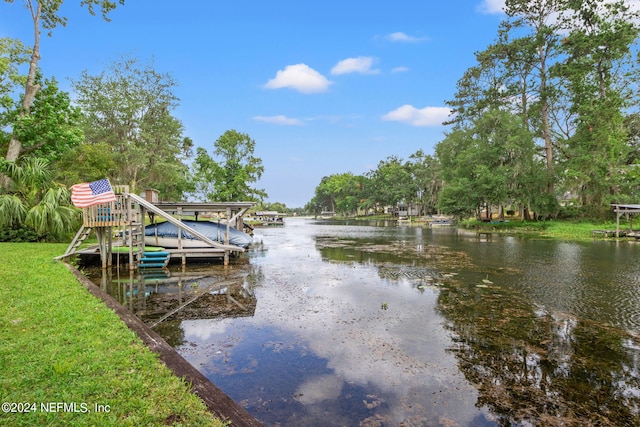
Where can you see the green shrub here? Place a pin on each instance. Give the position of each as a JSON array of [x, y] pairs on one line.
[[18, 235]]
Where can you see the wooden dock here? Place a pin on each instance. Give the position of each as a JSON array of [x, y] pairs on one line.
[[125, 219], [632, 234], [629, 211], [610, 233]]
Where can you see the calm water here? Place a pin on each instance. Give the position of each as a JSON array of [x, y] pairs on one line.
[[338, 324]]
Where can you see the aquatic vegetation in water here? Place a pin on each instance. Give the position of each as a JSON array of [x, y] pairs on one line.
[[534, 366], [395, 252]]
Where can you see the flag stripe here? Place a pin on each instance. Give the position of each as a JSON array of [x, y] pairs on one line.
[[92, 193]]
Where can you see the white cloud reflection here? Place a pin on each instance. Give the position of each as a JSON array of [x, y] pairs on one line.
[[335, 308]]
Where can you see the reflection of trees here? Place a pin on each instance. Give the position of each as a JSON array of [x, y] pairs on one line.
[[542, 368], [171, 332]]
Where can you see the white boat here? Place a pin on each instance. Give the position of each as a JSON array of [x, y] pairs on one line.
[[441, 222]]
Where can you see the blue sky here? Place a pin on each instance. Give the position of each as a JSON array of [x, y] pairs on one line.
[[323, 87]]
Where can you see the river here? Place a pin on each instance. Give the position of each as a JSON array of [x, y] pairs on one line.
[[373, 324]]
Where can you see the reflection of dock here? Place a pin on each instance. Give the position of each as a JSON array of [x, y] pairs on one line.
[[216, 401], [160, 295]]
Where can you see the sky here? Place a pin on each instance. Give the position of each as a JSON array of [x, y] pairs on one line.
[[322, 87]]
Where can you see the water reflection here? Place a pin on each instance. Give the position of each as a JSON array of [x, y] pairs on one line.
[[338, 357], [162, 298], [373, 326], [547, 368]]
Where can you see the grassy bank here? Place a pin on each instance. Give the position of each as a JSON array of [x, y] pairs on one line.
[[67, 359], [557, 229]]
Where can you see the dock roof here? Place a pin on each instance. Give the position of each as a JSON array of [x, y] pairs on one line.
[[173, 207], [626, 208]]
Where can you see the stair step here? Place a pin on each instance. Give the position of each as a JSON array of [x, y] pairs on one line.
[[157, 254], [152, 264], [153, 259]]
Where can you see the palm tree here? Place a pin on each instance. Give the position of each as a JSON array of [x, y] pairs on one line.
[[34, 202]]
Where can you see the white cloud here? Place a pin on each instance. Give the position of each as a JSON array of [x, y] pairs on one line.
[[279, 120], [403, 37], [427, 116], [491, 7], [399, 70], [299, 77], [361, 64]]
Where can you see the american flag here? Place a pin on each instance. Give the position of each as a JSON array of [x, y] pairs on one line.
[[92, 193]]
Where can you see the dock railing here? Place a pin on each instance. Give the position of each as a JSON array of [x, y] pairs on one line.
[[110, 214]]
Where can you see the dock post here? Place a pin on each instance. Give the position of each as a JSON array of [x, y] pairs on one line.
[[109, 231], [102, 244], [226, 237]]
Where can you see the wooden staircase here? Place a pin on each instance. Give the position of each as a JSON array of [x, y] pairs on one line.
[[137, 243], [77, 241], [158, 259]]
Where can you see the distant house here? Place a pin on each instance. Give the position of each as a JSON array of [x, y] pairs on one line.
[[402, 209]]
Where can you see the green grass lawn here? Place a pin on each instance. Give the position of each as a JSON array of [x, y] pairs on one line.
[[63, 351], [562, 229]]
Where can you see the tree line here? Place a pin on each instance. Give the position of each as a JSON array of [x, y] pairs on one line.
[[120, 124], [547, 118]]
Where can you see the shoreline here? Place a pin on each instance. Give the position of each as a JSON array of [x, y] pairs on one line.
[[80, 360], [218, 403]]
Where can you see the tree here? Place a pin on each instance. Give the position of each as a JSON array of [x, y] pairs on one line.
[[86, 162], [564, 68], [343, 192], [230, 177], [323, 198], [491, 162], [13, 54], [459, 196], [35, 207], [45, 15], [538, 16], [427, 177], [391, 182], [513, 73], [128, 106], [272, 206], [597, 55], [53, 126]]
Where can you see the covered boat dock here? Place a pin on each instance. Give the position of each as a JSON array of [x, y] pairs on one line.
[[126, 218], [629, 210], [233, 211]]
